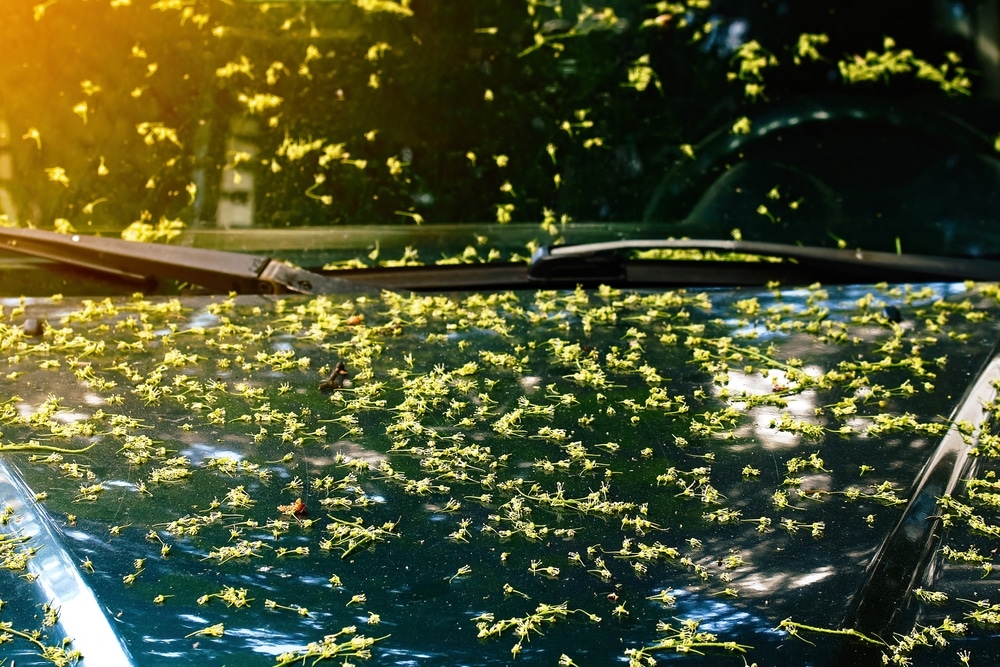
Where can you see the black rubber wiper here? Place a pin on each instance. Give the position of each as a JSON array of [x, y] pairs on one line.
[[588, 264], [216, 270], [611, 262]]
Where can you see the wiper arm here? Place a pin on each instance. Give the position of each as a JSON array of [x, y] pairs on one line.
[[609, 262], [552, 266], [215, 270]]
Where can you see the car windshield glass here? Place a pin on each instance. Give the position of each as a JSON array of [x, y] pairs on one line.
[[780, 122]]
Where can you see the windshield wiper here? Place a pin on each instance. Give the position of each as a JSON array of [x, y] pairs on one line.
[[215, 270], [610, 262], [693, 263]]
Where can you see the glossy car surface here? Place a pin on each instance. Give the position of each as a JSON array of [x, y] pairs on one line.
[[592, 467]]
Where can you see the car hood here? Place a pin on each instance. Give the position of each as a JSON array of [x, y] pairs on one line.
[[543, 477]]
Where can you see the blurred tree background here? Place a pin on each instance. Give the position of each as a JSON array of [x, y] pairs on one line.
[[209, 113]]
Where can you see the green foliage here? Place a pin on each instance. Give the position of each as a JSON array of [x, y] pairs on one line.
[[950, 76], [378, 112]]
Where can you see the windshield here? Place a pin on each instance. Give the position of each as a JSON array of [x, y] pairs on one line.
[[799, 123]]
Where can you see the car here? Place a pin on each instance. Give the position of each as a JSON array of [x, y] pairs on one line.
[[294, 375]]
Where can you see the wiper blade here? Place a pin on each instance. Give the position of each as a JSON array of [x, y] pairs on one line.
[[610, 262], [216, 270], [552, 266]]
